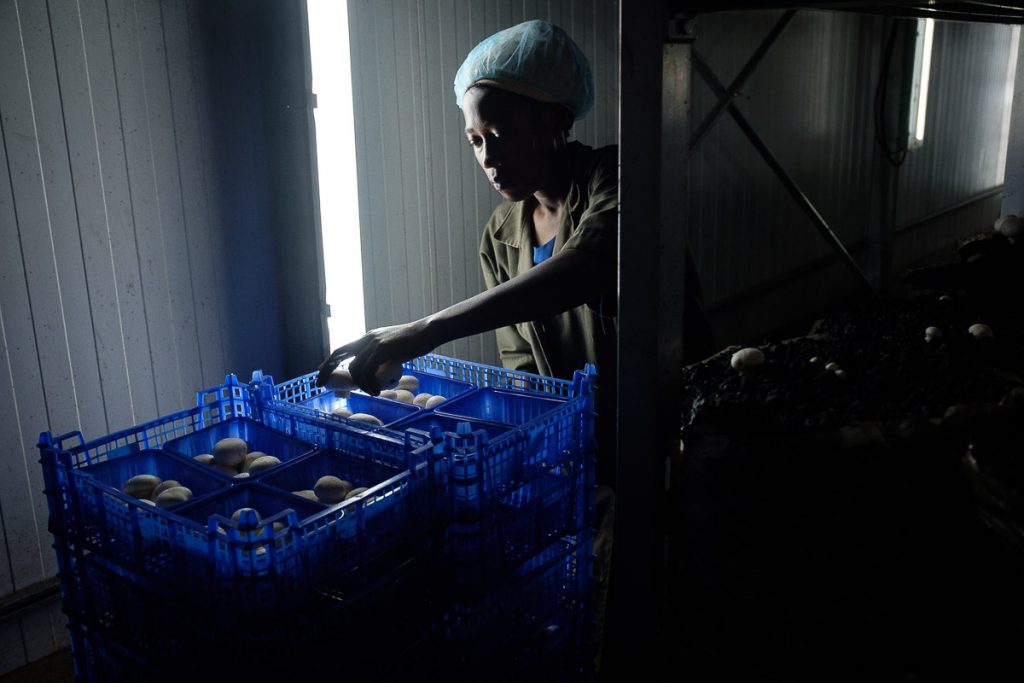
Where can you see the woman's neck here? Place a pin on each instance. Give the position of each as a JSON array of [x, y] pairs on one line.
[[551, 196]]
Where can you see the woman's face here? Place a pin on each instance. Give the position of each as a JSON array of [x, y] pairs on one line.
[[512, 139]]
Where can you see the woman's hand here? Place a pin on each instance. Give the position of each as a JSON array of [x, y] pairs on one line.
[[394, 343]]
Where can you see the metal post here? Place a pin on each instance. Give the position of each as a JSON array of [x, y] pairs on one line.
[[654, 86]]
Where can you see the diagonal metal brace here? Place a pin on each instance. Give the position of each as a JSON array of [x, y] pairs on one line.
[[805, 203], [740, 80]]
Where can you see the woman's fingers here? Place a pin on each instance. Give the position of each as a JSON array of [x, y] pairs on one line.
[[334, 360], [364, 369]]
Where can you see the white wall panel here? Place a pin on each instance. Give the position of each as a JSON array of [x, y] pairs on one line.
[[114, 299]]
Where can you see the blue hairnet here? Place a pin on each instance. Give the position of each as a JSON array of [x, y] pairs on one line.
[[535, 59]]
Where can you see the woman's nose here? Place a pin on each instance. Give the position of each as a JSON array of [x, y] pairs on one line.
[[491, 155]]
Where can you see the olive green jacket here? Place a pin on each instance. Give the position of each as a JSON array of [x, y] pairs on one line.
[[563, 343], [566, 342]]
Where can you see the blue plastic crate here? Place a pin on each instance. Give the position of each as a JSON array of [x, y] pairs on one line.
[[480, 375], [481, 470], [114, 473], [63, 455], [162, 543], [423, 457], [96, 660], [304, 473], [549, 419], [256, 436], [385, 410], [496, 405], [485, 548], [127, 627], [438, 375], [539, 623], [213, 512], [428, 421], [303, 391], [108, 518]]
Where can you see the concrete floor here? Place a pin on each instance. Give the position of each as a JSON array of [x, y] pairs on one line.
[[56, 668]]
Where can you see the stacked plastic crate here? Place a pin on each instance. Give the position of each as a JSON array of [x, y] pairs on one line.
[[518, 505], [469, 553]]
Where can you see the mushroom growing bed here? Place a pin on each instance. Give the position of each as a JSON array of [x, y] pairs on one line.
[[850, 507]]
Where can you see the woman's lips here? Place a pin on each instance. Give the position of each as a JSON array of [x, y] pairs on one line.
[[502, 182]]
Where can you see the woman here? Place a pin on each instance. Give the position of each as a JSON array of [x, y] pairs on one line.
[[549, 251]]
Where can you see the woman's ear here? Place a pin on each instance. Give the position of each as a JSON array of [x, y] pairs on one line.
[[558, 120]]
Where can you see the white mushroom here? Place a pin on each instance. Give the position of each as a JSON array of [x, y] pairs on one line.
[[173, 496], [355, 492], [389, 374], [832, 367], [1011, 227], [747, 359], [163, 486], [434, 400], [367, 418], [246, 518], [141, 485], [330, 489], [230, 451], [264, 463], [250, 458], [932, 334], [841, 374], [410, 383], [340, 380], [980, 331]]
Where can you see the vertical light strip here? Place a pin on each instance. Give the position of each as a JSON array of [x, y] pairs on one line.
[[926, 72], [336, 168], [921, 76], [1011, 77]]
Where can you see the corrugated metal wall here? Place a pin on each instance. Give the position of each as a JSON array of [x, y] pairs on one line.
[[422, 199], [812, 102], [118, 279]]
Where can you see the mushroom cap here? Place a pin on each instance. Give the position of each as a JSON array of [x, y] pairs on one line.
[[747, 359], [980, 330], [1010, 226]]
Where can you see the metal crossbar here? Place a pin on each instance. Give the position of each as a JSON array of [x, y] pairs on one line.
[[773, 162], [740, 80]]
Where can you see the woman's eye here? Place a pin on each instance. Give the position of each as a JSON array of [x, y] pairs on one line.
[[474, 142]]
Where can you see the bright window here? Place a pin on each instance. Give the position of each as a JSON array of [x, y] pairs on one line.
[[336, 165]]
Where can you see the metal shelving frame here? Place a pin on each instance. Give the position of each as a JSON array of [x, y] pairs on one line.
[[657, 67]]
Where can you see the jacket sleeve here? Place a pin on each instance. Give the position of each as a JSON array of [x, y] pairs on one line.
[[513, 349], [597, 230]]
